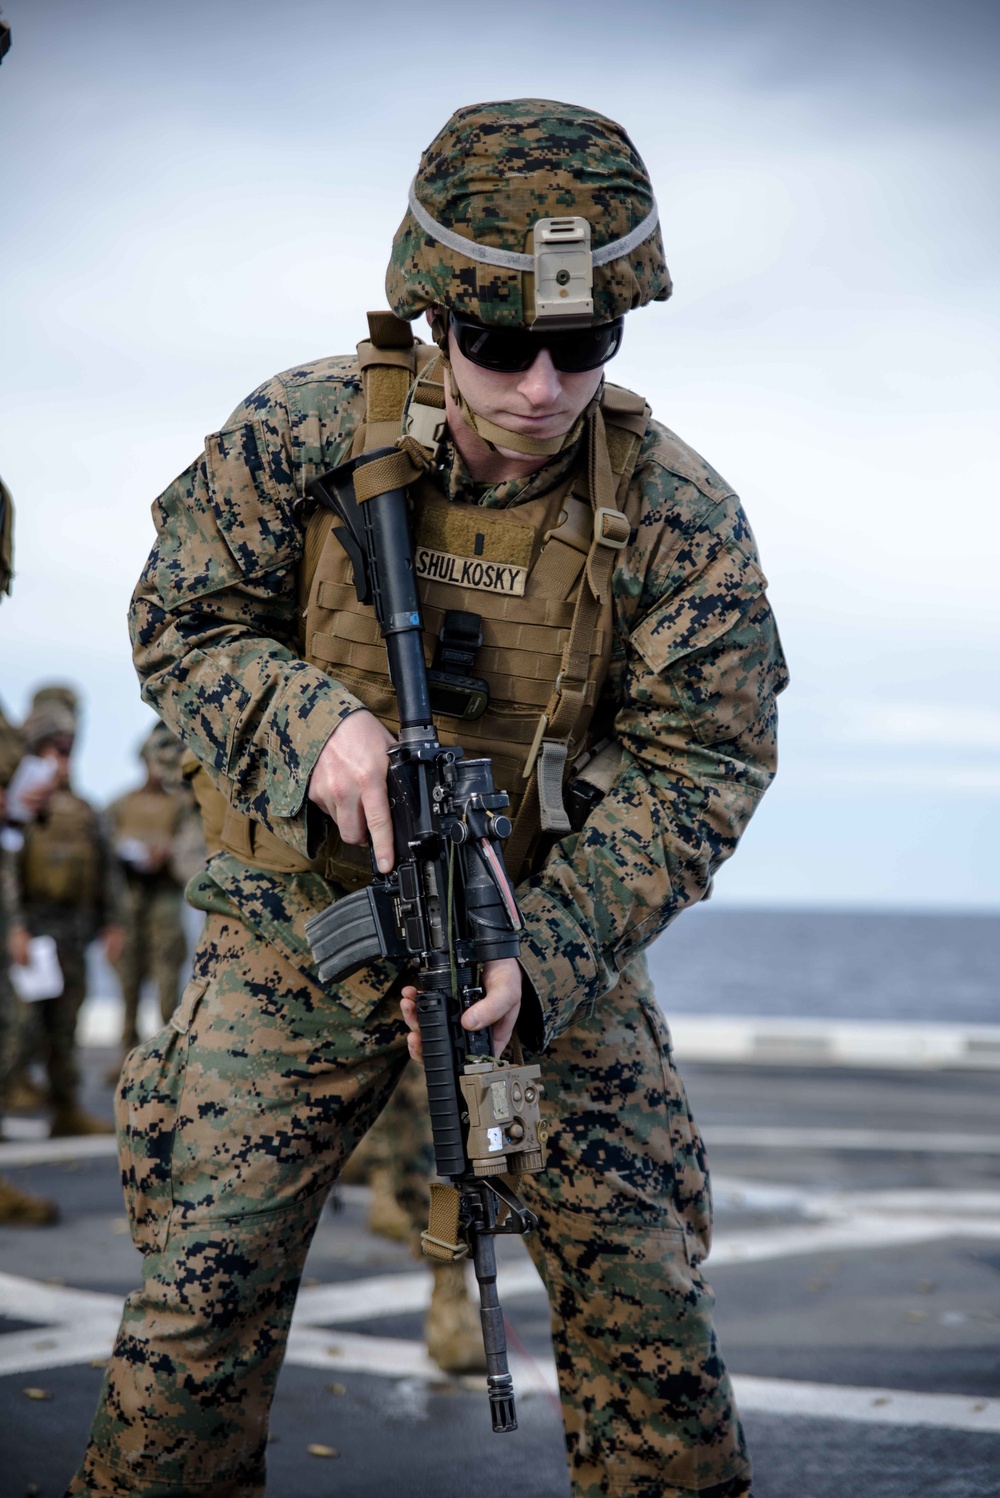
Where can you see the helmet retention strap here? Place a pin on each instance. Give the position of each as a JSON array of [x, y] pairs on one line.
[[496, 436]]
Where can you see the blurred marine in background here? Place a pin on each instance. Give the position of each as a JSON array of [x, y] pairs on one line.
[[65, 885], [591, 592], [16, 1206], [145, 827]]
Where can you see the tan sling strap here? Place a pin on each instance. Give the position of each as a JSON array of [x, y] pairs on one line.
[[389, 364], [440, 1239], [545, 768]]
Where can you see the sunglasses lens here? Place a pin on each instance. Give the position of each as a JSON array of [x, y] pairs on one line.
[[511, 351], [502, 349], [587, 349]]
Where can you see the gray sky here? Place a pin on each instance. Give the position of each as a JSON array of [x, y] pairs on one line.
[[198, 194]]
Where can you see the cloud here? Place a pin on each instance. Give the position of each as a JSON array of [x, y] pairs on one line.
[[197, 195]]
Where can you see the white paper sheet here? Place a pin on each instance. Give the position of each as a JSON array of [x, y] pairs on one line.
[[42, 977]]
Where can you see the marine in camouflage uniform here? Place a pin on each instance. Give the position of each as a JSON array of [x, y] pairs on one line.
[[16, 1206], [144, 826], [66, 887], [235, 1120], [12, 1020]]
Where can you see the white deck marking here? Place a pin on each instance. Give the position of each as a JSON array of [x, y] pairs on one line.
[[845, 1236], [350, 1351], [734, 1191], [392, 1357], [786, 1397], [843, 1221], [885, 1045], [79, 1326], [395, 1294], [885, 1141], [53, 1151]]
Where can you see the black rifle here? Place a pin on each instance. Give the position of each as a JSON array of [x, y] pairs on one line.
[[446, 908]]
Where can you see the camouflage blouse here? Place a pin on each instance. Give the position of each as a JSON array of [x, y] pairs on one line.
[[695, 669]]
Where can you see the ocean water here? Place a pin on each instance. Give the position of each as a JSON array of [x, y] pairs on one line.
[[830, 964]]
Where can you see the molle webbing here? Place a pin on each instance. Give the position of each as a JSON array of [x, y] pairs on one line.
[[570, 707], [60, 861], [545, 654]]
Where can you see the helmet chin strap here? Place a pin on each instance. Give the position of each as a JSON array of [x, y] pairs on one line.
[[496, 437]]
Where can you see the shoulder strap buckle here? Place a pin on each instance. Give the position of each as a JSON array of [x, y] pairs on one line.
[[425, 425], [611, 528]]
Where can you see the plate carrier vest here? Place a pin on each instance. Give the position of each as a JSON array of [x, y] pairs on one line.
[[538, 576], [60, 860]]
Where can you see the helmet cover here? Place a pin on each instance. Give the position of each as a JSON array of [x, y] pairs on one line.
[[489, 176]]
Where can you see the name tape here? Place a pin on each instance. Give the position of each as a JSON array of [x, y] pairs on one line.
[[470, 572]]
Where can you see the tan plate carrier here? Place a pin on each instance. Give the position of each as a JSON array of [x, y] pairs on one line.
[[61, 857], [543, 570]]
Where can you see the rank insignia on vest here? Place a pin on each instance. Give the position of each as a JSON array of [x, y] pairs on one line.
[[474, 548]]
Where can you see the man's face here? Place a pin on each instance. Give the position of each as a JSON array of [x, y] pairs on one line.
[[59, 754], [540, 402]]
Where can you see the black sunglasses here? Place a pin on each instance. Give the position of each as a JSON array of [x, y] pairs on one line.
[[513, 350]]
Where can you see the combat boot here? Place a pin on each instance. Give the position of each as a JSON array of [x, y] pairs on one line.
[[453, 1330], [20, 1208], [385, 1216], [70, 1119]]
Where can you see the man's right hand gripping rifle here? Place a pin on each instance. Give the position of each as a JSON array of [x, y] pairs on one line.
[[441, 905]]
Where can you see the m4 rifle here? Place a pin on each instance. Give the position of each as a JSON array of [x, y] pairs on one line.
[[446, 908]]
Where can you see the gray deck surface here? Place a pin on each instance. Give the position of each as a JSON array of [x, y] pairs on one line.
[[858, 1306]]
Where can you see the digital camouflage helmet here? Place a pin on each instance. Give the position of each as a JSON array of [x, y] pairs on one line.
[[162, 752], [529, 213], [61, 693]]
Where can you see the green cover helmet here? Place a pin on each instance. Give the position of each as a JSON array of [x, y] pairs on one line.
[[529, 213], [162, 751]]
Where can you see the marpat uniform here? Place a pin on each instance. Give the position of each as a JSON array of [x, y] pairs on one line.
[[67, 888], [621, 630], [145, 826], [16, 1206]]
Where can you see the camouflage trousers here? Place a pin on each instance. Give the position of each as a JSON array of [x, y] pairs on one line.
[[155, 947], [54, 1020], [234, 1122], [15, 1036], [14, 1017]]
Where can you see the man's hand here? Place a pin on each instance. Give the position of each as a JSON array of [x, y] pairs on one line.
[[348, 783], [498, 1007], [19, 945]]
